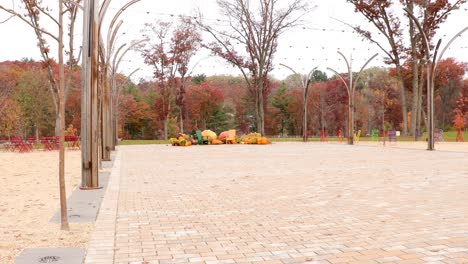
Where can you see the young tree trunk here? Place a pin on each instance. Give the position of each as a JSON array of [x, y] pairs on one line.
[[420, 96], [415, 69], [166, 128], [181, 117], [260, 109], [261, 114], [57, 123], [424, 118], [404, 107], [63, 197], [37, 134]]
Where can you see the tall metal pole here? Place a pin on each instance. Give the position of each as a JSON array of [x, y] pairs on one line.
[[350, 87], [89, 114], [351, 102], [115, 105], [305, 85], [430, 88], [107, 142]]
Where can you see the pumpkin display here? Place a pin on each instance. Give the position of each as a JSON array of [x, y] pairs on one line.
[[254, 138], [223, 135], [181, 140], [263, 141], [251, 138], [174, 141], [216, 142], [210, 134]]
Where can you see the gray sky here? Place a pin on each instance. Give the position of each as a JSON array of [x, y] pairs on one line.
[[314, 44]]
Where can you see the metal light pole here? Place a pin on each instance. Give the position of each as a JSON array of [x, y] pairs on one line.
[[106, 111], [89, 96], [305, 85], [431, 74], [435, 63], [350, 87], [115, 106], [90, 123], [430, 88]]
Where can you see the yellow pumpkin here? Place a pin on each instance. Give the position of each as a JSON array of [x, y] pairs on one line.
[[210, 134]]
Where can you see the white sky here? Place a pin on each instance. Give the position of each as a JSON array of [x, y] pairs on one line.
[[303, 48]]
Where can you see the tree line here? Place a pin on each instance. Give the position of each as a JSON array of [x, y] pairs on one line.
[[175, 101], [220, 103]]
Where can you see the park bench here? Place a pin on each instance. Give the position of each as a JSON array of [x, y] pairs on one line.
[[20, 145], [73, 142], [50, 143]]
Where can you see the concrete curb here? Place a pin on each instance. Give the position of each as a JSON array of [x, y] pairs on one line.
[[101, 246]]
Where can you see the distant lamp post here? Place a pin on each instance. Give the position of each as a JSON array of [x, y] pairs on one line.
[[305, 85], [115, 105], [107, 141], [350, 87], [431, 74]]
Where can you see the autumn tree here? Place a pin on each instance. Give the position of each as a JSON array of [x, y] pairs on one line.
[[35, 14], [431, 14], [280, 101], [256, 30], [461, 106], [10, 118], [205, 103], [169, 52], [382, 95], [382, 16], [32, 96], [324, 105], [8, 80], [448, 87], [134, 116], [34, 11]]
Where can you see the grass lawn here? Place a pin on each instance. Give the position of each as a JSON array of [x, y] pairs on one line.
[[143, 142]]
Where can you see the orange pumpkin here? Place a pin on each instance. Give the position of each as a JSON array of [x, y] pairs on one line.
[[217, 142], [188, 144]]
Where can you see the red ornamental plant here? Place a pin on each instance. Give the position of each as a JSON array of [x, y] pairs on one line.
[[169, 52], [458, 121]]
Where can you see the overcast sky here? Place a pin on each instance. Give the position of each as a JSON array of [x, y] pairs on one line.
[[311, 45]]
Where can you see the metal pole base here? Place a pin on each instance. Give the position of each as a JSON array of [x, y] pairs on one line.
[[90, 188]]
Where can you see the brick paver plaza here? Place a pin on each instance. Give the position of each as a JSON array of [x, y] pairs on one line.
[[283, 203]]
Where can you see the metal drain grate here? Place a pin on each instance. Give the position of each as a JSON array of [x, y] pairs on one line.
[[49, 259]]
